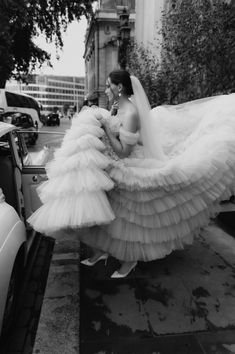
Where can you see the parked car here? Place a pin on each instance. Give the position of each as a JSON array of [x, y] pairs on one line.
[[20, 174], [53, 119], [43, 119], [25, 122]]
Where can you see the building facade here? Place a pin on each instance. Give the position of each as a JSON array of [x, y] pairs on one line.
[[53, 91], [101, 45], [148, 22]]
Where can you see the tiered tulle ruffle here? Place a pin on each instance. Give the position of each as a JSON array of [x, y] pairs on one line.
[[74, 195], [161, 205]]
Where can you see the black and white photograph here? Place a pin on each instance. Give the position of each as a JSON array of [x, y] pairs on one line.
[[117, 177]]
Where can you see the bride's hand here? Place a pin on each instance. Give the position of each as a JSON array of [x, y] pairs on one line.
[[100, 118], [114, 108], [105, 124]]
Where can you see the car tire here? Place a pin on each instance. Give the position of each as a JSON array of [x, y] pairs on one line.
[[12, 297]]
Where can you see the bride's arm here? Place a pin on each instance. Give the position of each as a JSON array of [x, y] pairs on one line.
[[121, 149]]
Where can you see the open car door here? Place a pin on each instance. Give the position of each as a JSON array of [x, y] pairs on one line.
[[34, 159]]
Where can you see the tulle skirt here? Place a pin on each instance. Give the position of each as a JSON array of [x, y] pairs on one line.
[[74, 196], [160, 206], [139, 208]]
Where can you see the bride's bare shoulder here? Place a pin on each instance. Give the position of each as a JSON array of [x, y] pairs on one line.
[[131, 121]]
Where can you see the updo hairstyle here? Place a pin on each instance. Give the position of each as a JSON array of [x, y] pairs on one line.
[[122, 77]]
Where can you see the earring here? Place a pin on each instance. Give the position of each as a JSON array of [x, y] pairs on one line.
[[119, 94]]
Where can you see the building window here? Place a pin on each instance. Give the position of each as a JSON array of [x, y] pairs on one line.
[[107, 29]]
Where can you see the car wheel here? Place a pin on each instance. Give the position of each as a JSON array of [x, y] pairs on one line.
[[12, 298]]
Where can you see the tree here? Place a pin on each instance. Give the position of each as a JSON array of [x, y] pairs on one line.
[[145, 65], [197, 53], [22, 20], [198, 49]]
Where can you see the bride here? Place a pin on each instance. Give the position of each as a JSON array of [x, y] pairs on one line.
[[168, 170]]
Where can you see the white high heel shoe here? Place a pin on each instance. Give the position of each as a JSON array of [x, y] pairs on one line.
[[89, 263], [118, 275]]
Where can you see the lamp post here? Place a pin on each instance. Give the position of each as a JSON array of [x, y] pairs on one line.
[[123, 37]]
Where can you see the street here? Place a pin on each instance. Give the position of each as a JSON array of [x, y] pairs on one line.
[[53, 140], [184, 303]]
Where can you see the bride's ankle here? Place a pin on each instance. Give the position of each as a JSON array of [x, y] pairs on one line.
[[96, 255], [125, 266]]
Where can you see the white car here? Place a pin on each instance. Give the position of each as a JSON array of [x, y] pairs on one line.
[[19, 178]]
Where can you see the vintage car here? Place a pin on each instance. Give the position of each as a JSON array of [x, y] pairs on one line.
[[20, 174], [23, 121]]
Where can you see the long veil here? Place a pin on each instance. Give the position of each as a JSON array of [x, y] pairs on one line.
[[149, 132]]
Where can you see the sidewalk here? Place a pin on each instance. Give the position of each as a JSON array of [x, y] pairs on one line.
[[184, 303], [58, 330]]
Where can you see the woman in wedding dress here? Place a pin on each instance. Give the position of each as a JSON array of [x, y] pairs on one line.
[[173, 167], [165, 172]]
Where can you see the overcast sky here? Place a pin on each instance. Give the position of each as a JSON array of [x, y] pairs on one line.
[[71, 60]]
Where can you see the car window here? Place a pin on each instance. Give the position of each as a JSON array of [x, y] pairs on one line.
[[4, 145], [6, 148], [7, 117], [40, 153]]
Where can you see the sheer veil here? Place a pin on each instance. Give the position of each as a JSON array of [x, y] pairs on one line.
[[149, 132]]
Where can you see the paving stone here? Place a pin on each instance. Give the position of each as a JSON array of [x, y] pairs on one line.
[[61, 281], [169, 307], [211, 284], [66, 256], [221, 242], [66, 242], [160, 345], [58, 327], [113, 311], [191, 291], [219, 342]]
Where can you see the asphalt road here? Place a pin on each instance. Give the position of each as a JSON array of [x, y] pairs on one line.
[[53, 138]]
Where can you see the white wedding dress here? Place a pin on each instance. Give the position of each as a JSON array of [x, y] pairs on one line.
[[154, 205], [74, 194]]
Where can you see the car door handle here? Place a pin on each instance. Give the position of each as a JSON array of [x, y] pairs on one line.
[[39, 178], [35, 178]]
